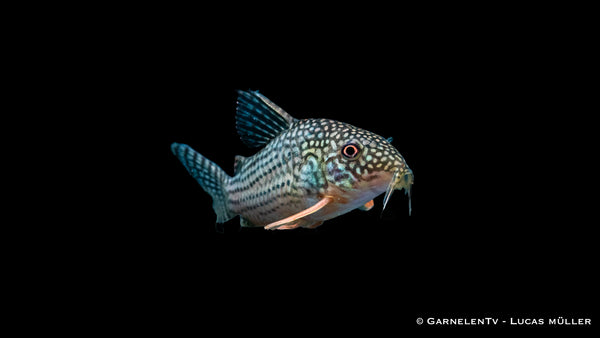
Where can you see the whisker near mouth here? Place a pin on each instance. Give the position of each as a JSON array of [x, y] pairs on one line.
[[409, 179], [389, 190], [409, 193]]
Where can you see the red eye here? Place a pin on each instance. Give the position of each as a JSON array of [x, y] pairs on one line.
[[350, 151]]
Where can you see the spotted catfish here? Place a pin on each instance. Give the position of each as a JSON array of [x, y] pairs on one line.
[[308, 171]]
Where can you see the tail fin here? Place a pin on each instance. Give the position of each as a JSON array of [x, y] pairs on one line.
[[211, 178]]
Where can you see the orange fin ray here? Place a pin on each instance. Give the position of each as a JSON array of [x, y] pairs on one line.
[[368, 206], [285, 222]]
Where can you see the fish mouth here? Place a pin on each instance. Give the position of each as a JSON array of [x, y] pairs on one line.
[[402, 179]]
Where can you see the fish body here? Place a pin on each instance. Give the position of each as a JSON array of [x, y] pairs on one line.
[[308, 170]]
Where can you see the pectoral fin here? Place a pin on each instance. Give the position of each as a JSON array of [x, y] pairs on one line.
[[294, 218], [367, 206]]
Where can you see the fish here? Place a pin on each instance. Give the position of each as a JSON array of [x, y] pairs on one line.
[[305, 172]]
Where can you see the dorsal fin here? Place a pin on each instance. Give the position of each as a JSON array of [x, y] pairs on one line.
[[259, 120]]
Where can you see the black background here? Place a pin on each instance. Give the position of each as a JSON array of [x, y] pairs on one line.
[[489, 121]]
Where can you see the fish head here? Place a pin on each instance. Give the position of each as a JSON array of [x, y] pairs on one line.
[[361, 165]]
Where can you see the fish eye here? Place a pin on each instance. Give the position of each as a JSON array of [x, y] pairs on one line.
[[350, 150]]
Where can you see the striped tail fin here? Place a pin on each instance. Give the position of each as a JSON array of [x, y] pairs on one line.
[[210, 177]]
